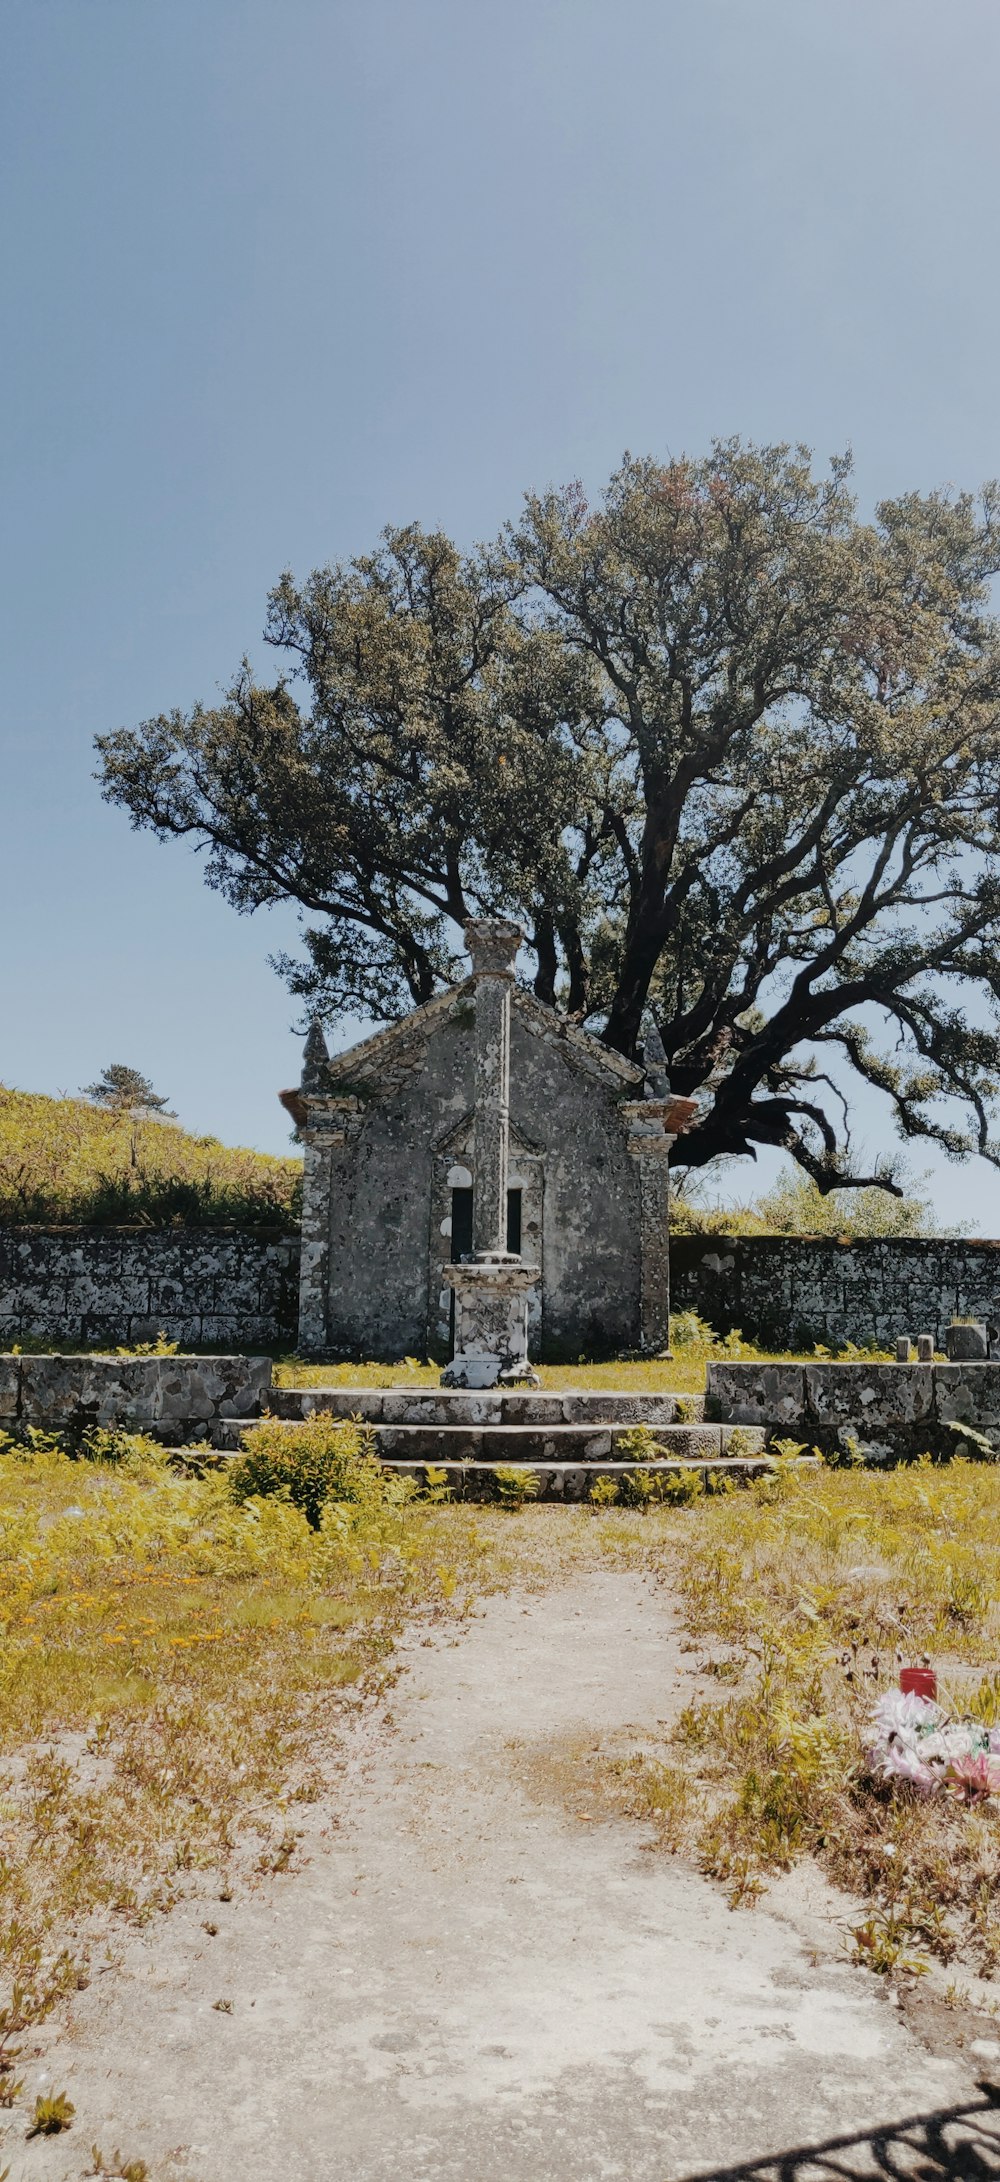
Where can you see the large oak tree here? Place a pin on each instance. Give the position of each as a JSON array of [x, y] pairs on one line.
[[729, 752]]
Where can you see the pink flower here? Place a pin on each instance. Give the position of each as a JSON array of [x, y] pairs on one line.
[[897, 1762], [969, 1779]]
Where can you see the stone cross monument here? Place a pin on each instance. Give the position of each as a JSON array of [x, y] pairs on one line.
[[491, 1287]]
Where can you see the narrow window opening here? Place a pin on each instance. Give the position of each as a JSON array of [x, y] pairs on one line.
[[461, 1224]]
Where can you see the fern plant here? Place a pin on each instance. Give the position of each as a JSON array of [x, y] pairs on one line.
[[513, 1484]]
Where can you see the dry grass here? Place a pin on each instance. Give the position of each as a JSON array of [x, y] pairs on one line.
[[684, 1373], [173, 1664], [177, 1661], [68, 1160], [797, 1594]]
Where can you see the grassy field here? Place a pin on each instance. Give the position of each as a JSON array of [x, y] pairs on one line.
[[65, 1160], [174, 1658], [180, 1653], [799, 1596], [684, 1373]]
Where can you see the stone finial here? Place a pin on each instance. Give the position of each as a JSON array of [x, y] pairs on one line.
[[655, 1063], [315, 1058], [493, 943]]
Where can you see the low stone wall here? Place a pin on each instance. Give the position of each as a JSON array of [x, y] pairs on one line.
[[176, 1398], [790, 1291], [235, 1289], [238, 1289], [883, 1409]]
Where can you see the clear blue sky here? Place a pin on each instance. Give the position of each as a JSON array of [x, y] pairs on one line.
[[277, 272]]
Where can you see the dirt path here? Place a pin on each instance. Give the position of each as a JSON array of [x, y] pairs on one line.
[[467, 1982]]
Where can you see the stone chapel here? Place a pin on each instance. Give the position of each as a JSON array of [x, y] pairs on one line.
[[388, 1130]]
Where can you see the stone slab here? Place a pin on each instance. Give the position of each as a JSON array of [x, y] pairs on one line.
[[535, 1443], [968, 1393], [292, 1402], [868, 1394], [10, 1388], [73, 1391], [967, 1344], [572, 1480], [424, 1405], [761, 1394], [437, 1406], [627, 1407]]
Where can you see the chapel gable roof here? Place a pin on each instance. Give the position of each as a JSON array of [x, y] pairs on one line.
[[391, 1053]]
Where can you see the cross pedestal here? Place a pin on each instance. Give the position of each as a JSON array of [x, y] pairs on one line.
[[491, 1322]]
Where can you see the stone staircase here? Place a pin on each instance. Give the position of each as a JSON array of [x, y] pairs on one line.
[[569, 1437]]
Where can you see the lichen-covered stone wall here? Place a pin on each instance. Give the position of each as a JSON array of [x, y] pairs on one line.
[[237, 1289], [791, 1291], [175, 1398], [876, 1411]]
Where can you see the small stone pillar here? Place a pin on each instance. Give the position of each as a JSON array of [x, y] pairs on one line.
[[653, 1127], [491, 1287]]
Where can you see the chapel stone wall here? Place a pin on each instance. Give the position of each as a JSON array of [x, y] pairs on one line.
[[385, 1195]]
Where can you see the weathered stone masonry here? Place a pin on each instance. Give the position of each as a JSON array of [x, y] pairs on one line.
[[786, 1290], [236, 1289], [174, 1398], [391, 1143]]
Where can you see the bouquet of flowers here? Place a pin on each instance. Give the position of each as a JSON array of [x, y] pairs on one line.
[[912, 1739]]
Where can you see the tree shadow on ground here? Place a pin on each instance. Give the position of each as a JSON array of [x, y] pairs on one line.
[[953, 2144]]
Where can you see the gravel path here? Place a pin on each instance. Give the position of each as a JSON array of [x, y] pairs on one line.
[[467, 1980]]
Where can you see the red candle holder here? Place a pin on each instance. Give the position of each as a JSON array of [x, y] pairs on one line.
[[920, 1681]]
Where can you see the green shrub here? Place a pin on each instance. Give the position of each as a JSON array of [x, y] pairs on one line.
[[321, 1459], [681, 1487], [687, 1331]]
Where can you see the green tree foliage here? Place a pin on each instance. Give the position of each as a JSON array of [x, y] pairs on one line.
[[795, 1205], [730, 753], [64, 1160], [123, 1090]]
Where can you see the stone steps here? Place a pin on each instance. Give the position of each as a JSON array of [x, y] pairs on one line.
[[569, 1480], [553, 1442], [528, 1406], [572, 1429], [539, 1443]]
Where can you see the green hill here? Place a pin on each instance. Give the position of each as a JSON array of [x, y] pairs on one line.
[[65, 1161]]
